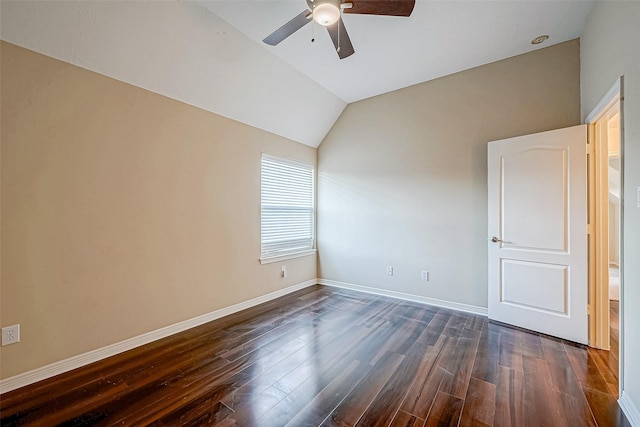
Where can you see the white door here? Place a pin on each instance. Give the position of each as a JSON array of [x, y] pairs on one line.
[[538, 232]]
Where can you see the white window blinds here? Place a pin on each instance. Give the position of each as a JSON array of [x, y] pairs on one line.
[[287, 209]]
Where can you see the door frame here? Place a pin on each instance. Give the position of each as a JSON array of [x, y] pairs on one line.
[[598, 289]]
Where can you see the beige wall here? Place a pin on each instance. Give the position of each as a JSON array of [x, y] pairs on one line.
[[609, 50], [402, 176], [122, 211]]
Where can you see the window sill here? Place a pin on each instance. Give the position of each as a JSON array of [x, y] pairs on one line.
[[278, 258]]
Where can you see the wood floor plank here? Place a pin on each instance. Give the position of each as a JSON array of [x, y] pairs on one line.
[[318, 363], [384, 332], [403, 419], [356, 402], [485, 366], [405, 330], [606, 410], [530, 344], [586, 369], [304, 383], [563, 377], [539, 393], [461, 364], [614, 328], [240, 397], [204, 411], [234, 374], [565, 382], [407, 336], [436, 326], [479, 404], [608, 368], [509, 409], [334, 357], [175, 393], [252, 408], [423, 389], [457, 323], [510, 355], [446, 411], [319, 408], [385, 405]]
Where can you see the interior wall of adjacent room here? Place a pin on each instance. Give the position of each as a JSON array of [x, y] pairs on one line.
[[123, 211], [608, 51], [402, 177]]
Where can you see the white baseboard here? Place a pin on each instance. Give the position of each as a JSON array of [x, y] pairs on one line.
[[80, 360], [630, 409], [408, 297]]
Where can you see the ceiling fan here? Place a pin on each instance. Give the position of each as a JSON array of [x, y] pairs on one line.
[[328, 14]]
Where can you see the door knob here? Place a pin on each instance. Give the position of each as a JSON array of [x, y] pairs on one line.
[[494, 239]]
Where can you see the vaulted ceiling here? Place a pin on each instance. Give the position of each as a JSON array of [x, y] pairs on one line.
[[210, 53], [439, 38]]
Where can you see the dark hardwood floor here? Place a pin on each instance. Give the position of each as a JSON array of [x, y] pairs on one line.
[[325, 357]]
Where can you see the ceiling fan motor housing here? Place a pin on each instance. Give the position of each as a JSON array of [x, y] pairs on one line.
[[325, 12], [315, 3]]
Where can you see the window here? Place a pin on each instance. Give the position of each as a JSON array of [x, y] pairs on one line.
[[287, 209]]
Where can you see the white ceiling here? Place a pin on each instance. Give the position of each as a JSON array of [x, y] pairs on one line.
[[210, 53], [440, 38]]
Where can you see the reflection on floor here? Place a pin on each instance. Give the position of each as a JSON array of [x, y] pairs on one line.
[[614, 328], [614, 310]]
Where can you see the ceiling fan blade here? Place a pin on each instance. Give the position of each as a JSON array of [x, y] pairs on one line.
[[289, 28], [339, 34], [381, 7]]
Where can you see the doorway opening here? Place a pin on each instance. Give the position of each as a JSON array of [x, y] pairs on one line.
[[613, 157], [605, 139]]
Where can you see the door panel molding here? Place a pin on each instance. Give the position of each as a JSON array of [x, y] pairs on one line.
[[549, 296], [522, 165]]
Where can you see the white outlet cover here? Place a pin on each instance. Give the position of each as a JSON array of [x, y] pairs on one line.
[[10, 335]]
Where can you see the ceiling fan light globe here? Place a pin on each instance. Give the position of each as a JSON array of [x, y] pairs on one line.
[[326, 14]]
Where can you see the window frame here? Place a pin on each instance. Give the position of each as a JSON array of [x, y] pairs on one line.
[[284, 254]]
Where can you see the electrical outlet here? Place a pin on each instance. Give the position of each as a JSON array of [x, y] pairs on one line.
[[389, 270], [10, 335], [424, 275]]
